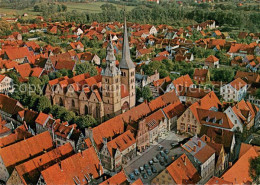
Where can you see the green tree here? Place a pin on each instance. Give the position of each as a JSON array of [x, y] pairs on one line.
[[147, 93], [254, 169], [86, 121], [86, 68], [43, 104], [222, 74], [257, 93]]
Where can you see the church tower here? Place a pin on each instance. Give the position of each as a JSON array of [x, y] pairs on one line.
[[127, 68], [111, 91]]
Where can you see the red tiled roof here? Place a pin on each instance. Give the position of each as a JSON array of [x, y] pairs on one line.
[[26, 149], [211, 59], [239, 172], [217, 181], [138, 182], [29, 172], [18, 135], [121, 142], [119, 178], [76, 168], [182, 171], [159, 82], [24, 70], [238, 83], [18, 53], [207, 102]]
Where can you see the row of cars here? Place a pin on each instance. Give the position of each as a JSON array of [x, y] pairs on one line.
[[150, 168]]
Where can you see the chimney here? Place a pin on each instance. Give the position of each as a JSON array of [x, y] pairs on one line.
[[194, 148], [199, 144]]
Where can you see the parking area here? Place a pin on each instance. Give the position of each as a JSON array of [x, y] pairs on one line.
[[150, 163]]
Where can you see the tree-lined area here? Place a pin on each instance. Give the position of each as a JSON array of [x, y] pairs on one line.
[[226, 13]]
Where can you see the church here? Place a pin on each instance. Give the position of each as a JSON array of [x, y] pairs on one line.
[[110, 93]]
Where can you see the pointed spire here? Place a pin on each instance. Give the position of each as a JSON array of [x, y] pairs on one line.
[[111, 69], [126, 62], [110, 52]]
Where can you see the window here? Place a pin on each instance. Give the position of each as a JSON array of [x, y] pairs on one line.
[[72, 103]]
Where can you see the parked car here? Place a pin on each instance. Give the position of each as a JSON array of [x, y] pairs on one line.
[[155, 160], [162, 163], [151, 162], [149, 172], [146, 166], [145, 176], [160, 147], [174, 145], [166, 158], [154, 170], [162, 154], [157, 156], [141, 168], [166, 151], [132, 176], [136, 172]]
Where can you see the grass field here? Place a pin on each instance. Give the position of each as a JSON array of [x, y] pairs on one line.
[[14, 13], [92, 7]]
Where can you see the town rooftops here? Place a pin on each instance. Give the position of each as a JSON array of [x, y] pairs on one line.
[[217, 135], [245, 110], [119, 178], [26, 149], [18, 135], [248, 77], [30, 171], [199, 149], [184, 81], [238, 83], [121, 142], [79, 168], [200, 72], [182, 171], [210, 101], [9, 105], [211, 59], [239, 172], [218, 181], [214, 118]]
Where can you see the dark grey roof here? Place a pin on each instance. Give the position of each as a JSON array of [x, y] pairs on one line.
[[126, 62]]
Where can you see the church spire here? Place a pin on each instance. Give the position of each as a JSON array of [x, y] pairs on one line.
[[126, 62], [110, 58], [111, 69]]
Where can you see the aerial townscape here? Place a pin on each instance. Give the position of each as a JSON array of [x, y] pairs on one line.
[[129, 92]]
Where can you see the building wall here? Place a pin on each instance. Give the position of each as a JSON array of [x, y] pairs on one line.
[[6, 85], [207, 168], [128, 80], [142, 137], [188, 123], [4, 174], [234, 119], [229, 93], [111, 95], [14, 179]]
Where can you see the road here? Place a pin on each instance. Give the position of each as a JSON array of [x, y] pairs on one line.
[[145, 157]]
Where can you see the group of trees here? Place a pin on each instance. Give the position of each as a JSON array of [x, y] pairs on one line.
[[168, 67], [166, 13], [50, 8]]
